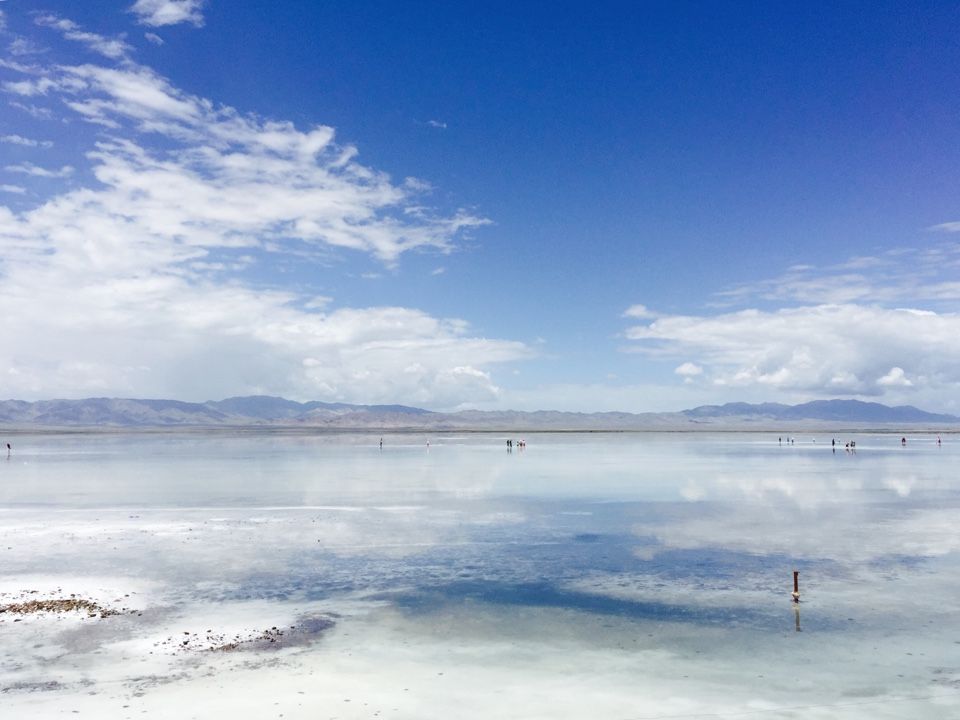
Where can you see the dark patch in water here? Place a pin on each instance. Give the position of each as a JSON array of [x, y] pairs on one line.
[[587, 537], [543, 594]]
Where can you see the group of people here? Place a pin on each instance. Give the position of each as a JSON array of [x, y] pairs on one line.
[[519, 443], [852, 445]]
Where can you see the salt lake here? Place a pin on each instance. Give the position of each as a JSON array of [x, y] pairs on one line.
[[626, 575]]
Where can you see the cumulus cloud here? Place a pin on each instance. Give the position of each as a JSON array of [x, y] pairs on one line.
[[876, 326], [133, 284], [822, 349], [638, 311], [896, 377], [156, 13], [151, 332], [688, 370]]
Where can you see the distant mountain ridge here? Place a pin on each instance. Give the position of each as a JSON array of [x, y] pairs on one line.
[[840, 410], [268, 411]]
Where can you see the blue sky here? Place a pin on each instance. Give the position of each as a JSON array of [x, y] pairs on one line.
[[615, 206]]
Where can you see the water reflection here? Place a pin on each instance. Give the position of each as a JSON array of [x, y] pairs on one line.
[[682, 545]]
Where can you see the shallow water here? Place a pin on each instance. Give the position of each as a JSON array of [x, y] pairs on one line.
[[601, 575]]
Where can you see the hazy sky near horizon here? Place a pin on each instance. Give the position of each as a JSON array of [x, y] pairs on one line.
[[620, 206]]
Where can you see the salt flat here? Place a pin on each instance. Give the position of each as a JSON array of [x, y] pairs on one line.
[[633, 576]]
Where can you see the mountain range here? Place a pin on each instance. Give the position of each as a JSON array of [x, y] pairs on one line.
[[266, 411]]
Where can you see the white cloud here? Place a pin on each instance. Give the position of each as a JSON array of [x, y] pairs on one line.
[[15, 189], [25, 142], [157, 13], [129, 329], [638, 311], [688, 370], [902, 274], [822, 349], [27, 168], [113, 48], [39, 113], [879, 325], [230, 175], [947, 227], [153, 38], [30, 88], [895, 378], [437, 124], [131, 285], [20, 47]]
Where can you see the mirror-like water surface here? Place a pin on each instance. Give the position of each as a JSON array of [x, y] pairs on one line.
[[600, 575]]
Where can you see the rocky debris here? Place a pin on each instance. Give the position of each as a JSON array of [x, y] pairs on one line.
[[306, 631], [31, 687], [274, 638], [60, 605], [273, 635]]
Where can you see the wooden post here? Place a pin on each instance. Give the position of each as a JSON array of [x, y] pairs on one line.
[[796, 586]]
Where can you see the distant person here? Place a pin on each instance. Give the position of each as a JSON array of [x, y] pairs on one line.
[[903, 441], [9, 448], [938, 441], [381, 443], [833, 442]]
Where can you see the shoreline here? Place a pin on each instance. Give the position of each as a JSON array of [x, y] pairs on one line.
[[439, 431]]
